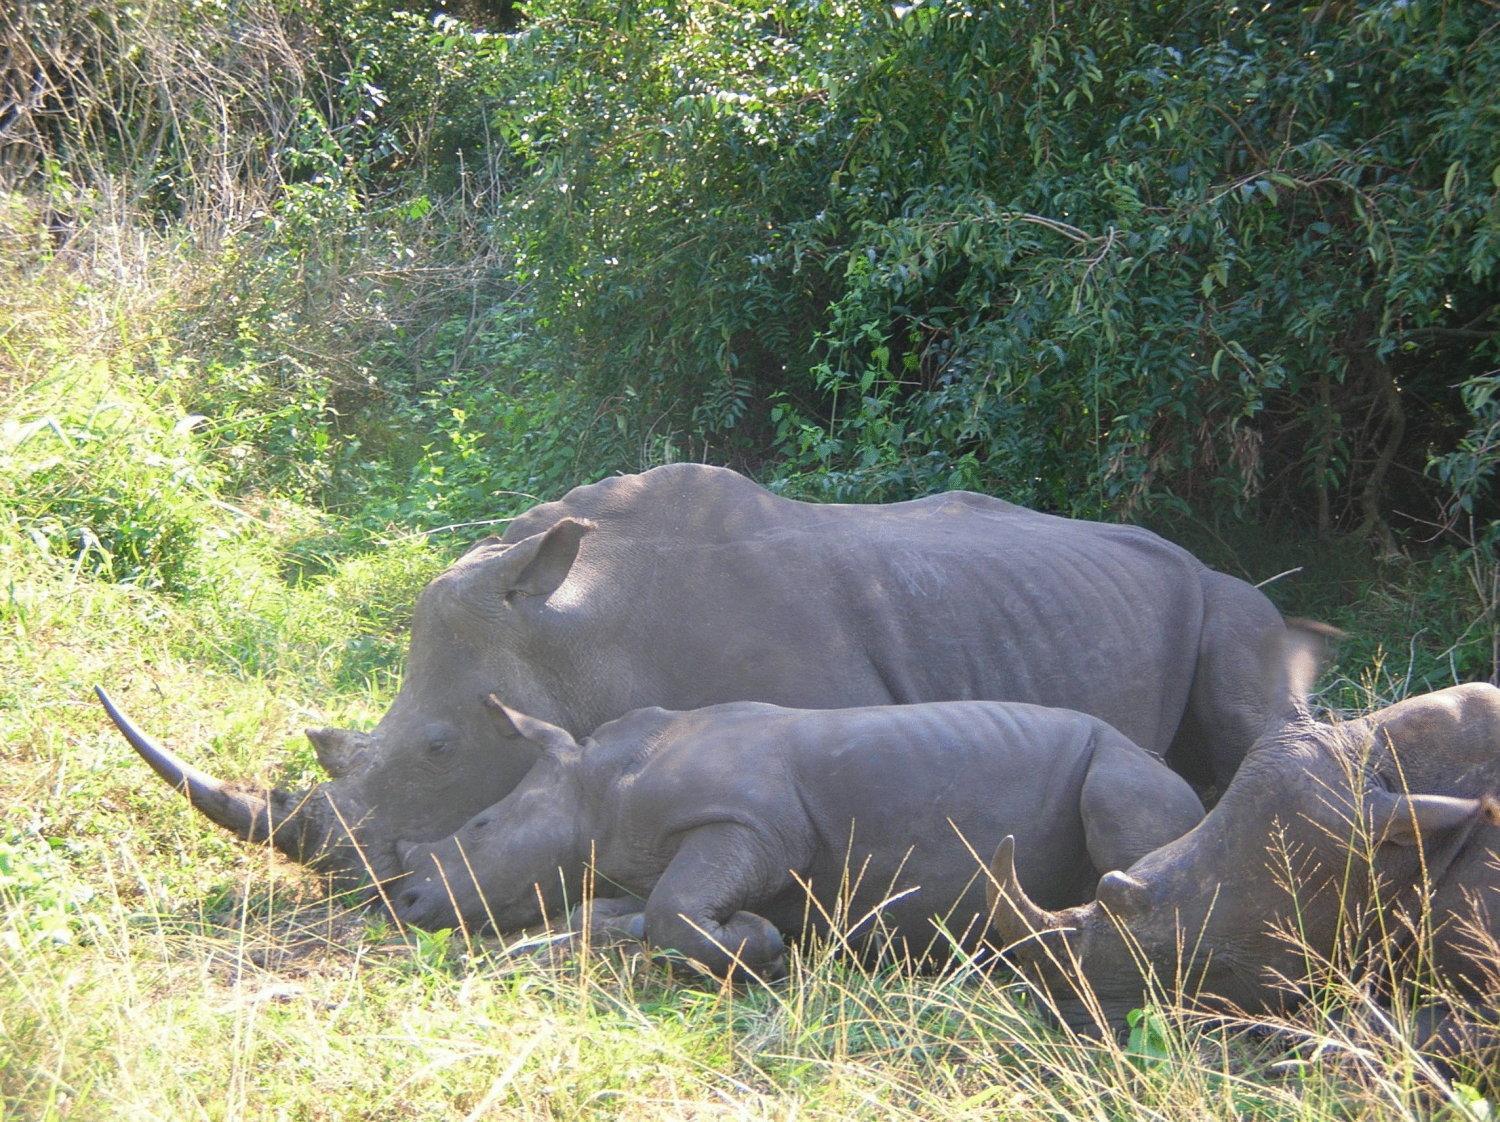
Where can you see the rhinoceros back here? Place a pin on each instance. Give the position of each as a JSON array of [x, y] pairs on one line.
[[708, 588]]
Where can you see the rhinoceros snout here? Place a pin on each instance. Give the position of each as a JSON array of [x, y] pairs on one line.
[[427, 905]]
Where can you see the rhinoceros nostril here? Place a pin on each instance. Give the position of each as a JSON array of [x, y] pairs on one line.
[[409, 899]]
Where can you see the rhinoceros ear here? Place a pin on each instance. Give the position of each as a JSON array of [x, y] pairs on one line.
[[537, 565], [1402, 819], [513, 722]]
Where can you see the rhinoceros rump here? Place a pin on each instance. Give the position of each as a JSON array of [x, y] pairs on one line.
[[712, 825], [689, 585], [1363, 820]]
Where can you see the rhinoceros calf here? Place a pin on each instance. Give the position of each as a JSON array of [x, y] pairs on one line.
[[708, 823], [1380, 824], [690, 585]]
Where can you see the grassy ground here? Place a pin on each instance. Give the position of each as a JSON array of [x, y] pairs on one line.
[[150, 968]]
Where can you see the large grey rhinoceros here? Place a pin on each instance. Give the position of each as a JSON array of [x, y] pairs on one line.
[[690, 585], [706, 830], [1363, 819]]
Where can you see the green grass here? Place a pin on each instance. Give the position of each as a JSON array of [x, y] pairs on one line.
[[152, 968]]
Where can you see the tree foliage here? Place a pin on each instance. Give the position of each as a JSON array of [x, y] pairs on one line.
[[1101, 257], [1094, 256]]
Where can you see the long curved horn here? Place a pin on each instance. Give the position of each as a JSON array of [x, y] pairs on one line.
[[278, 817], [1012, 913]]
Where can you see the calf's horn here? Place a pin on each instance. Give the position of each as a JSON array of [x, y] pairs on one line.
[[283, 818], [1012, 913]]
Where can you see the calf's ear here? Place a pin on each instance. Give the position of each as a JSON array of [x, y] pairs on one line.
[[512, 722], [485, 543], [1402, 819], [537, 566]]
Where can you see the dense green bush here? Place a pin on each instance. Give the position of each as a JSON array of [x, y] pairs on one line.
[[1104, 258], [1096, 257]]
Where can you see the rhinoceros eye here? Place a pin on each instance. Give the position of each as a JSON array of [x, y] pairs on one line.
[[437, 739]]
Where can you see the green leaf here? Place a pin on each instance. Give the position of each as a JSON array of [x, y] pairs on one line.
[[1148, 1042], [1473, 1104]]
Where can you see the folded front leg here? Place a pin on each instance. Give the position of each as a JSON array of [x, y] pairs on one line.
[[699, 906]]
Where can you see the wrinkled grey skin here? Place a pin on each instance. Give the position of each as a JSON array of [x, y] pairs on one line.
[[691, 585], [1419, 774], [698, 821]]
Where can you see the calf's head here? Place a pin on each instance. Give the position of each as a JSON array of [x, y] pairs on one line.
[[498, 619], [516, 862]]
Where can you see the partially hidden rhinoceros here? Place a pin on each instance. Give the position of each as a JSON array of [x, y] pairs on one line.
[[706, 831], [1330, 836], [690, 585]]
